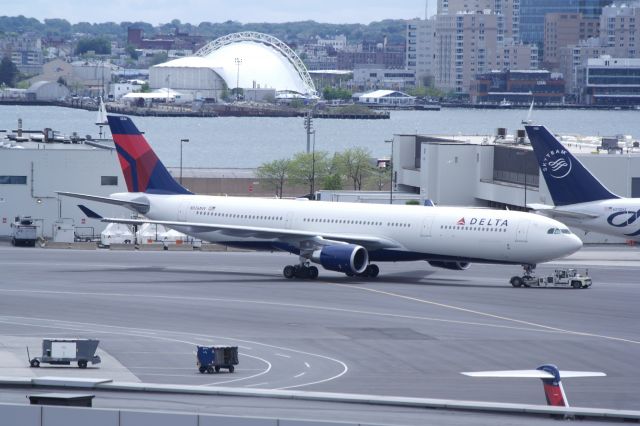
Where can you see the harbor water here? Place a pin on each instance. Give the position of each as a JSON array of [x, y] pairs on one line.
[[229, 142]]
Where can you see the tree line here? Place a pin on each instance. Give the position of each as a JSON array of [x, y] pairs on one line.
[[290, 32], [353, 168]]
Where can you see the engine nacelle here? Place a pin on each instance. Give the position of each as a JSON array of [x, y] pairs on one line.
[[347, 258], [456, 266]]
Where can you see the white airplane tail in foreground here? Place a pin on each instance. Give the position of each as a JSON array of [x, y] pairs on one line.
[[550, 376], [580, 199], [341, 237]]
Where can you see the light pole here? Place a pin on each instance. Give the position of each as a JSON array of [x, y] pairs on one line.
[[182, 141], [238, 61], [313, 168], [391, 177]]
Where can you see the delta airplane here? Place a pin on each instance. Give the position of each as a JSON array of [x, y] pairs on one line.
[[342, 237], [580, 199]]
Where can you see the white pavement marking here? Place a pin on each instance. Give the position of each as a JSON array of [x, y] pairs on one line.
[[488, 315], [299, 375], [139, 332], [283, 355], [307, 365]]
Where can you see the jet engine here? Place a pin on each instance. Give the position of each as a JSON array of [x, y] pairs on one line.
[[346, 258], [456, 266]]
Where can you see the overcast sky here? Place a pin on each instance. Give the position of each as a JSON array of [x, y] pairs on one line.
[[196, 11]]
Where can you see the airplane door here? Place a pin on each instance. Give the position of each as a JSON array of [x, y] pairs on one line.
[[182, 212], [522, 231], [425, 231], [288, 219]]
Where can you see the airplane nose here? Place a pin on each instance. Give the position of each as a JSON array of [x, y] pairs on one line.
[[572, 244]]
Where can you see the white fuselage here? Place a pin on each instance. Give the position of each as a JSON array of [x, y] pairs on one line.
[[429, 233], [618, 217]]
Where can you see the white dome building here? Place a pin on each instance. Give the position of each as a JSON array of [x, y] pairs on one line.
[[245, 60]]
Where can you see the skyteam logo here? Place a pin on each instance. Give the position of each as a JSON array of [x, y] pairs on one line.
[[557, 163]]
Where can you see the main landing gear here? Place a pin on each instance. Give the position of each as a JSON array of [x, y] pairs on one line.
[[303, 271], [371, 271], [527, 276], [309, 272]]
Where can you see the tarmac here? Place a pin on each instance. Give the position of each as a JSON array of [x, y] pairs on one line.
[[408, 333]]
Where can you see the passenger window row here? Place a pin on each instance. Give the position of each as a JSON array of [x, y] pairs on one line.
[[239, 216], [357, 222], [473, 228]]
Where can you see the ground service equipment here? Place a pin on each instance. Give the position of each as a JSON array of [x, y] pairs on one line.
[[66, 351], [213, 358], [23, 232], [567, 277]]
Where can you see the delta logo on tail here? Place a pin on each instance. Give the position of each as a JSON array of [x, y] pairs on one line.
[[142, 169]]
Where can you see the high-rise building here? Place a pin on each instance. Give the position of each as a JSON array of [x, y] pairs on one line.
[[620, 30], [420, 48], [565, 29], [532, 14], [509, 9], [467, 44]]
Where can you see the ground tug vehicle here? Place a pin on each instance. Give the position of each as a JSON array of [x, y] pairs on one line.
[[563, 277]]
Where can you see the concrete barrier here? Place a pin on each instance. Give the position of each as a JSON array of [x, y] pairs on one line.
[[74, 246], [180, 247], [151, 247], [212, 247], [125, 247]]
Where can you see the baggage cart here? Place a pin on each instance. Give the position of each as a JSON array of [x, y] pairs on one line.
[[66, 351], [213, 358]]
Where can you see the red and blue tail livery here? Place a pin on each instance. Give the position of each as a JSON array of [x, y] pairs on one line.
[[142, 169]]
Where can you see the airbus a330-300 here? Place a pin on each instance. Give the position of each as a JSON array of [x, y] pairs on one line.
[[342, 237]]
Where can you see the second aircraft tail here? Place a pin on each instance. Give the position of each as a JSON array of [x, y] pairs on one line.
[[569, 182]]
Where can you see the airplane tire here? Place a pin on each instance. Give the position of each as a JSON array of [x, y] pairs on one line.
[[516, 281], [288, 272], [313, 272], [372, 271]]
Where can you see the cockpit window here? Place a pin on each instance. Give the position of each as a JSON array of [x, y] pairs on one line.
[[558, 231]]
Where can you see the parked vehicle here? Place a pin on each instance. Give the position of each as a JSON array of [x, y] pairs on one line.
[[565, 277], [214, 358]]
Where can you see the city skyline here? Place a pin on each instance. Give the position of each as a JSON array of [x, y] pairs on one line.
[[196, 11]]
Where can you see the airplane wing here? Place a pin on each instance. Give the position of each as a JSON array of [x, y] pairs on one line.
[[140, 206], [288, 235], [536, 374], [553, 212]]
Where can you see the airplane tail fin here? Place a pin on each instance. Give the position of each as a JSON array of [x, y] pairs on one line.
[[550, 376], [142, 169], [569, 182], [553, 390]]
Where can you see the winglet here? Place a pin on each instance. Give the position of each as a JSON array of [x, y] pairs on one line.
[[90, 213]]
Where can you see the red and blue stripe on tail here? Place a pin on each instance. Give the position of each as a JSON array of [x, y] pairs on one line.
[[553, 390], [142, 169]]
